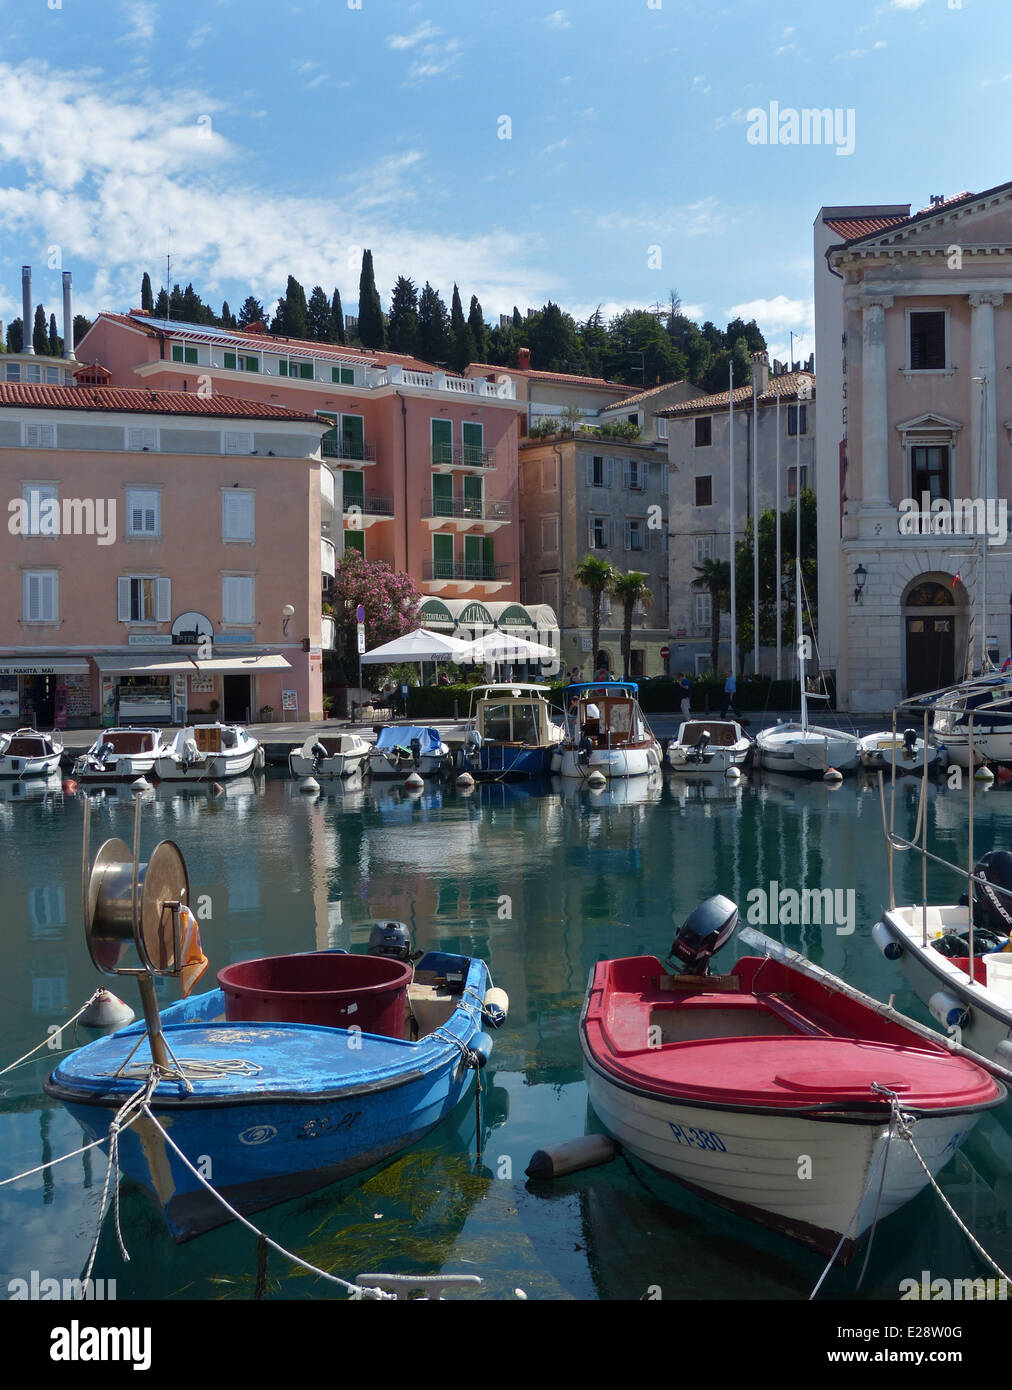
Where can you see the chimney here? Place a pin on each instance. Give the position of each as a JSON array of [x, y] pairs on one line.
[[26, 309], [68, 320], [760, 372], [524, 359]]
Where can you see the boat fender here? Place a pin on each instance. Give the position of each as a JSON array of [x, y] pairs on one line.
[[949, 1011], [465, 780], [733, 773], [480, 1052], [586, 1152], [309, 785], [1004, 774], [984, 776], [414, 782], [106, 1011], [495, 1007], [69, 786], [597, 780], [832, 774], [886, 942], [1003, 1053]]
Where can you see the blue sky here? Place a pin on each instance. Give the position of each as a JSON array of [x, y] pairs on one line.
[[260, 140]]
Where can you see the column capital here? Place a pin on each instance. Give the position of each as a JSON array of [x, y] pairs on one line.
[[980, 297], [877, 301]]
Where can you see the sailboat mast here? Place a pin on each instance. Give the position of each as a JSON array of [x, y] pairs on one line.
[[730, 469]]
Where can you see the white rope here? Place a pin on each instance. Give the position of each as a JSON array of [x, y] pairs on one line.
[[355, 1289], [131, 1108], [30, 1172], [46, 1041]]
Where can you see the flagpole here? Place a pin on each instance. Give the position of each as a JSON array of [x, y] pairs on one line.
[[755, 523], [778, 571], [730, 469]]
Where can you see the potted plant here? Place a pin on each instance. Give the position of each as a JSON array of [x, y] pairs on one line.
[[214, 706], [266, 714], [328, 705]]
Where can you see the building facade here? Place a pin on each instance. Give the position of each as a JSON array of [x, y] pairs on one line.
[[914, 333]]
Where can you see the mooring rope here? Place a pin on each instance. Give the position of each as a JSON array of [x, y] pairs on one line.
[[46, 1041], [129, 1111]]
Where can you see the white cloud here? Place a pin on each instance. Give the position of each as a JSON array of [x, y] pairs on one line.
[[141, 15], [776, 318], [906, 4], [402, 41], [558, 19], [558, 145], [198, 36], [434, 59], [702, 218]]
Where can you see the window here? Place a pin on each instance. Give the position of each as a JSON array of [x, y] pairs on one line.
[[704, 549], [237, 514], [599, 471], [600, 533], [239, 362], [635, 533], [637, 665], [792, 484], [13, 371], [181, 353], [238, 441], [549, 533], [41, 522], [930, 465], [33, 372], [704, 610], [40, 596], [143, 598], [40, 436], [52, 376], [141, 438], [636, 474], [927, 341], [704, 431], [549, 475], [792, 419], [290, 368], [704, 492], [237, 599], [473, 443], [144, 513], [344, 376], [355, 540], [662, 426]]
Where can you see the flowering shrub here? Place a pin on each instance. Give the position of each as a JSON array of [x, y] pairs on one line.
[[390, 600]]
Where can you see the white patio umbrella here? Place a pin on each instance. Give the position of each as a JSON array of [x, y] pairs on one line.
[[504, 646], [422, 645]]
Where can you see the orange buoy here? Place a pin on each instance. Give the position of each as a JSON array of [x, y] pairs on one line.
[[1005, 774], [69, 786]]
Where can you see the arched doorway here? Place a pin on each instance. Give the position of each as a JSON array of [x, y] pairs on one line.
[[933, 621]]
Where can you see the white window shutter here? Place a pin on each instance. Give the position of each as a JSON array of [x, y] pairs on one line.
[[123, 599], [611, 471], [227, 599], [626, 474], [163, 600], [645, 472]]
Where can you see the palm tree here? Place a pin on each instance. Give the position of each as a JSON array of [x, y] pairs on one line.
[[631, 588], [596, 576], [715, 578]]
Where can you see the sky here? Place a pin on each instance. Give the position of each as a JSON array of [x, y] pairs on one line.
[[604, 153]]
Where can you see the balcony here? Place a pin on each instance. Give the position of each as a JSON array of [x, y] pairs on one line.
[[352, 451], [328, 557], [366, 510], [447, 457], [439, 574], [465, 514], [328, 633], [502, 390], [328, 491]]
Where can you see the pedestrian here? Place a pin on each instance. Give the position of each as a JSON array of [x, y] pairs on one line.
[[686, 689], [730, 690], [601, 673]]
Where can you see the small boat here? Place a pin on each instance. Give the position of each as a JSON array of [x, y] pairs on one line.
[[30, 753], [606, 733], [329, 755], [724, 1082], [511, 733], [208, 752], [905, 751], [708, 746], [119, 755], [402, 749], [987, 700]]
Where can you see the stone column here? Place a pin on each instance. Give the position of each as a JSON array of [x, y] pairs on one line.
[[983, 472], [874, 406]]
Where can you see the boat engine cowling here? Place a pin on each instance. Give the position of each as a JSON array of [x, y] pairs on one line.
[[706, 929], [392, 939], [995, 907]]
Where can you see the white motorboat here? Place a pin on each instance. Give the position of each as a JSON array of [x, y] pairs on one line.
[[988, 702], [905, 751], [606, 733], [511, 733], [29, 753], [119, 755], [708, 747], [208, 753], [402, 749], [329, 755]]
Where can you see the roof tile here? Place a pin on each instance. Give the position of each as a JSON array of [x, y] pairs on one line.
[[141, 400]]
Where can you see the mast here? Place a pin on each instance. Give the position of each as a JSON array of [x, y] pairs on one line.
[[779, 598], [730, 469], [799, 632]]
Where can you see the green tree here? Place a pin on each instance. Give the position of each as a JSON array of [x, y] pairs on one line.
[[147, 299], [502, 346], [641, 352], [597, 577], [55, 341], [715, 579], [81, 326], [433, 325], [390, 600], [318, 316], [630, 589], [479, 330], [371, 329], [162, 305], [337, 318], [402, 328], [770, 585], [461, 343], [553, 341], [292, 317], [40, 333], [251, 311], [594, 343], [15, 335], [227, 319]]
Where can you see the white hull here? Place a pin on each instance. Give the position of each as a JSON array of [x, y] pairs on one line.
[[30, 767], [757, 1171], [339, 765], [428, 766], [804, 752], [612, 762], [728, 747], [124, 769], [883, 750]]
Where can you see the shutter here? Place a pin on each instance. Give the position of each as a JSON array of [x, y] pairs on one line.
[[590, 533], [628, 535], [590, 471], [29, 597], [123, 599], [644, 473], [230, 361], [163, 600]]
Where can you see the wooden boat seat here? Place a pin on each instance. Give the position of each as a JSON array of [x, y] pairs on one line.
[[208, 740], [801, 1022], [720, 736], [26, 748], [132, 742]]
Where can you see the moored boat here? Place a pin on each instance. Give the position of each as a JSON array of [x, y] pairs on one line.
[[511, 732], [723, 1082], [30, 753], [905, 751], [208, 752], [119, 755], [329, 755], [401, 749], [606, 732], [987, 702], [711, 747]]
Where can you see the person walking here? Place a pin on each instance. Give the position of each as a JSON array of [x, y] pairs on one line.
[[686, 689], [730, 690]]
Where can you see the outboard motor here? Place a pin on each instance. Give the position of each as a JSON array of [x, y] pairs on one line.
[[416, 751], [191, 753], [103, 755], [709, 927], [584, 749], [320, 755], [699, 748], [994, 908], [390, 939], [909, 742], [472, 748]]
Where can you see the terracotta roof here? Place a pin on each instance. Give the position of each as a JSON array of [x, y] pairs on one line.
[[264, 342], [851, 227], [858, 230], [642, 396], [140, 400], [946, 202], [785, 386], [532, 375]]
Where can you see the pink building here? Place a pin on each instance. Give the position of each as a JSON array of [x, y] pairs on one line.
[[427, 461], [162, 551]]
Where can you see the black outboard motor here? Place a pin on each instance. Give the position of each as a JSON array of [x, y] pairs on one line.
[[584, 749], [699, 748], [472, 747], [703, 933], [416, 751], [390, 939], [320, 755], [104, 754], [909, 742], [994, 908]]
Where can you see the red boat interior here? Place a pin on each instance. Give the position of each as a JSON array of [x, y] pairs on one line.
[[764, 1035], [979, 968]]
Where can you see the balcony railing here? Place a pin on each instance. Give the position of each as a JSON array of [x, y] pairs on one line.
[[368, 505], [465, 571], [333, 447], [328, 633], [470, 509], [462, 456], [328, 557]]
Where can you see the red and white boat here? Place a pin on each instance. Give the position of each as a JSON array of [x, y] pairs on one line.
[[769, 1090]]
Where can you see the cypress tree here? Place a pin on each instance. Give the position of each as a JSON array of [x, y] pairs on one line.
[[227, 319], [162, 305], [296, 311], [147, 300], [517, 320], [81, 326], [40, 333], [251, 311], [403, 333], [371, 329], [337, 318], [55, 341], [318, 315], [461, 341], [15, 335], [479, 332], [433, 326]]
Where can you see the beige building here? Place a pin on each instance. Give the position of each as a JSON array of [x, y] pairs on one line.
[[641, 409]]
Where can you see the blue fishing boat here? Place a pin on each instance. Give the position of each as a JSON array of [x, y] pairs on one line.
[[511, 733]]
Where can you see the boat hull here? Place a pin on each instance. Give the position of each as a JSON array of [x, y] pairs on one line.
[[612, 762], [30, 767], [504, 761], [338, 765], [214, 767], [806, 753]]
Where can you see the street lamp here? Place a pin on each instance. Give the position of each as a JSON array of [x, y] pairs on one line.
[[287, 613], [860, 577]]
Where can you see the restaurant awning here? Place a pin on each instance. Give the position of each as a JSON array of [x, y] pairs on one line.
[[241, 665], [141, 663], [42, 666]]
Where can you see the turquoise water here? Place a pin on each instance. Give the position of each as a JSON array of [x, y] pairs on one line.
[[541, 884]]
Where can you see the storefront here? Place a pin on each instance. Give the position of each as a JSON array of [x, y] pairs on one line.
[[468, 618], [44, 692], [156, 688]]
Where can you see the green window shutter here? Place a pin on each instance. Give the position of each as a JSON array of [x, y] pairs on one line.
[[355, 540], [230, 361], [252, 364], [177, 352], [488, 557], [442, 557], [354, 487], [190, 355], [353, 436], [306, 371], [473, 438], [347, 376], [282, 368], [442, 494], [442, 441], [473, 488], [335, 373]]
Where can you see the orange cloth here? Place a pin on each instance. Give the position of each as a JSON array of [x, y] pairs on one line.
[[194, 962]]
